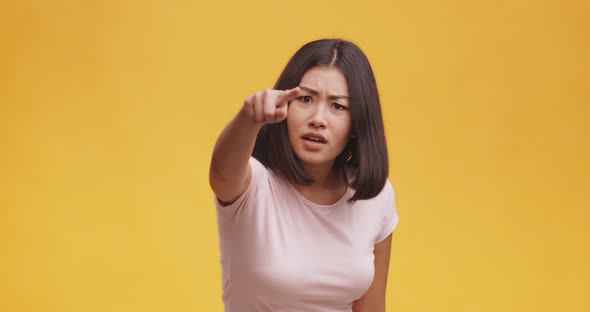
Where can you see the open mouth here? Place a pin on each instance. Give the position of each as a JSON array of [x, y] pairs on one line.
[[314, 139]]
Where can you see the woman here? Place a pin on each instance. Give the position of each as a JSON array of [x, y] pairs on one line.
[[304, 208]]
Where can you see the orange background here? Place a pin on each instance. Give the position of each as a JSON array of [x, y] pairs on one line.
[[109, 111]]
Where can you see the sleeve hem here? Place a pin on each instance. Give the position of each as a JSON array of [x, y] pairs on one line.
[[231, 209], [387, 231]]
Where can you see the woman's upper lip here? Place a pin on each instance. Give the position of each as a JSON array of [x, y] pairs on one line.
[[315, 136]]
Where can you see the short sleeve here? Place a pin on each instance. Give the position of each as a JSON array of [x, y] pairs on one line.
[[389, 217], [259, 175]]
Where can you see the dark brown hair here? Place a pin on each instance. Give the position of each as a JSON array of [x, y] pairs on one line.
[[365, 155]]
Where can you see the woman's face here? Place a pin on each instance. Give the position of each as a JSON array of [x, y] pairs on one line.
[[319, 121]]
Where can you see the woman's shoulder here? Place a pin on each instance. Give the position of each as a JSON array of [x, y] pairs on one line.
[[388, 190], [270, 176], [385, 195], [351, 174]]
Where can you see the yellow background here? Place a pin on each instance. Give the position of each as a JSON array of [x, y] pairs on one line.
[[109, 111]]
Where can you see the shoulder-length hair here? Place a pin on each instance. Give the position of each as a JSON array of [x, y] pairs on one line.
[[365, 155]]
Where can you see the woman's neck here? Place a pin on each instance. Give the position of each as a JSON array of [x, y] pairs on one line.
[[322, 175], [327, 187]]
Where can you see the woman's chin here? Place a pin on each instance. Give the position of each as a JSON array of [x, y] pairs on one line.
[[314, 160]]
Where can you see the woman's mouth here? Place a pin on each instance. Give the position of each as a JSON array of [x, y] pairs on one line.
[[313, 142], [314, 137]]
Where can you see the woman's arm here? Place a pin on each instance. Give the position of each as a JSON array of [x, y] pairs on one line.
[[374, 299], [229, 172]]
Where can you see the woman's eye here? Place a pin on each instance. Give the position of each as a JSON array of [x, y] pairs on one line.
[[305, 98], [339, 106]]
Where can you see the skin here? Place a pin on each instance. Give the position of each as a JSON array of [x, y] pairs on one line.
[[374, 299], [323, 108], [306, 111]]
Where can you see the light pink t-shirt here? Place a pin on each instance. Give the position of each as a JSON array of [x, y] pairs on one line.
[[282, 252]]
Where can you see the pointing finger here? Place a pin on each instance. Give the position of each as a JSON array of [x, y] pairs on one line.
[[288, 96]]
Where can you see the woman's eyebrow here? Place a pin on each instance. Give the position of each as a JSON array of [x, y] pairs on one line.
[[314, 92]]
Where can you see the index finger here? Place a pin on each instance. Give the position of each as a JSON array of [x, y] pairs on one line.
[[287, 96]]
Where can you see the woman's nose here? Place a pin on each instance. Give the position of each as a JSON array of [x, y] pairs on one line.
[[318, 119]]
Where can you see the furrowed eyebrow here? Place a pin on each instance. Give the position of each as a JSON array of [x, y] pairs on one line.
[[314, 92]]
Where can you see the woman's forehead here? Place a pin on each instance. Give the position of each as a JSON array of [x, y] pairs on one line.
[[325, 80]]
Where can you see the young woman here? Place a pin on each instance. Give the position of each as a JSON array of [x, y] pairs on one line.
[[305, 210]]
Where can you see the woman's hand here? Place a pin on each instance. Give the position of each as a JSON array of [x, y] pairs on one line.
[[268, 105]]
